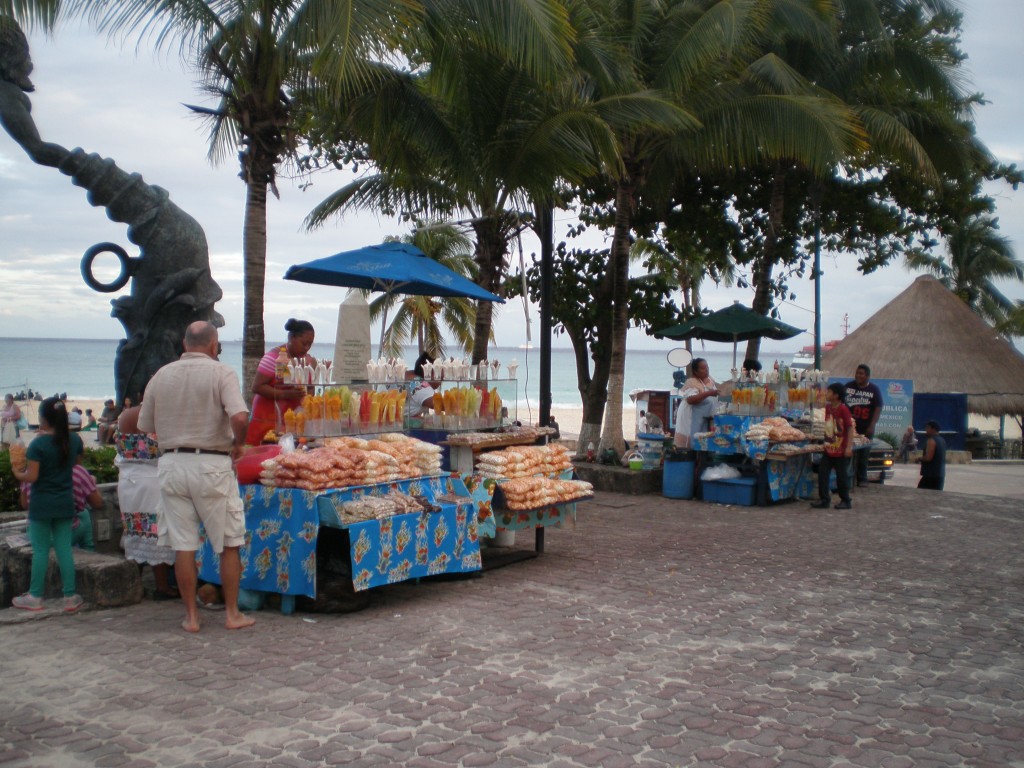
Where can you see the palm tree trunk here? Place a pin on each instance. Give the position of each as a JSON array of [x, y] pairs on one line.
[[593, 388], [764, 264], [490, 257], [618, 268], [383, 329], [254, 239]]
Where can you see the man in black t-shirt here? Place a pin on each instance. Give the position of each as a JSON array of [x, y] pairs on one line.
[[864, 400], [933, 459]]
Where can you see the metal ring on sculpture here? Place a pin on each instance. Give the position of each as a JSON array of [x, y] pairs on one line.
[[120, 281]]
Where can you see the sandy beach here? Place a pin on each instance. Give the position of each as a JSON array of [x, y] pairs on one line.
[[30, 409]]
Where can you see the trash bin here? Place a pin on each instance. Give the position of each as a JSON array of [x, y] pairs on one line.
[[677, 474]]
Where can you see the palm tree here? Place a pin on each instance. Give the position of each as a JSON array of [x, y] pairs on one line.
[[892, 64], [484, 133], [256, 57], [976, 257], [742, 105], [417, 316], [674, 256]]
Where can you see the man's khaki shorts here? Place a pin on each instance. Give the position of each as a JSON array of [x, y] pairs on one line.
[[194, 489]]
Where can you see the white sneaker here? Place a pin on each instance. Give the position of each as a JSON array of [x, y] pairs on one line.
[[72, 603], [28, 602]]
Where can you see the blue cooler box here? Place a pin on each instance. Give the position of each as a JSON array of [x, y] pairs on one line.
[[741, 491]]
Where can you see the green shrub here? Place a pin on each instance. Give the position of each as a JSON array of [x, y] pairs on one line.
[[8, 485], [99, 461]]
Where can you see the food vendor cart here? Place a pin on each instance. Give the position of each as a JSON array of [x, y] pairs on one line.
[[782, 466], [781, 471], [442, 534]]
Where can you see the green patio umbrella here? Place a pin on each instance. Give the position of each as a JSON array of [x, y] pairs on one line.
[[736, 323]]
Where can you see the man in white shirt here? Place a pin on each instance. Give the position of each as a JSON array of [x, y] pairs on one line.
[[195, 406]]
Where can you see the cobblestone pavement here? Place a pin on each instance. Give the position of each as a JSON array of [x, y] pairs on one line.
[[655, 633]]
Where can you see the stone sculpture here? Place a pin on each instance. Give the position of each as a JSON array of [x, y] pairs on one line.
[[171, 281]]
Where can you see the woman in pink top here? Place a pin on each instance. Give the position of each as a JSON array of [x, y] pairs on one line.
[[9, 417], [272, 396]]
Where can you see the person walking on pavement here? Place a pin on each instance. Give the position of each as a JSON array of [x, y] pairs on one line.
[[195, 405], [838, 447], [933, 459], [908, 444], [864, 400]]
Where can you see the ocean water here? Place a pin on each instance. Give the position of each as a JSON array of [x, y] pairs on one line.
[[84, 368]]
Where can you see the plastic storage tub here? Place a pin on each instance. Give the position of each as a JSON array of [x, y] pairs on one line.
[[651, 447], [677, 476], [741, 491]]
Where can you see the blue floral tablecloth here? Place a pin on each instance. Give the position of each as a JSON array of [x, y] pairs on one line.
[[729, 437], [282, 524], [791, 478], [481, 489]]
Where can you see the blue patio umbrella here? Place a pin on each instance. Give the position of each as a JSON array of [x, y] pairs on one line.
[[389, 268]]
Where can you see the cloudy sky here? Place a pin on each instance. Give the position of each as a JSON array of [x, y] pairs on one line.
[[107, 99]]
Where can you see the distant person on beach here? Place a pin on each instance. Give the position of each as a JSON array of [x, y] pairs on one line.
[[51, 458], [107, 422], [274, 392], [907, 444], [864, 400], [933, 459], [838, 449], [90, 420], [75, 419], [9, 418], [195, 405], [642, 427], [654, 423], [554, 425]]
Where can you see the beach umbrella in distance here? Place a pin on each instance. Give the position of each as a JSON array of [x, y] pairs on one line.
[[736, 323], [389, 268]]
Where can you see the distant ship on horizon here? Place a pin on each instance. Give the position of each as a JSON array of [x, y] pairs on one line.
[[804, 359]]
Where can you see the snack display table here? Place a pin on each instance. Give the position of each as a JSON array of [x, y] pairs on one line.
[[783, 472], [282, 525], [492, 514]]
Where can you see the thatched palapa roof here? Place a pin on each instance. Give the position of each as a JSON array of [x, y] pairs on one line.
[[929, 335]]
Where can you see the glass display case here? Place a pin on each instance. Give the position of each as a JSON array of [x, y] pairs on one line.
[[462, 405], [457, 405]]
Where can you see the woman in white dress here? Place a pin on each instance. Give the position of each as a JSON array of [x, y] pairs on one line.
[[138, 493], [698, 404]]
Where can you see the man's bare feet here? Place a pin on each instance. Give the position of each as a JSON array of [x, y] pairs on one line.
[[190, 625], [241, 621]]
